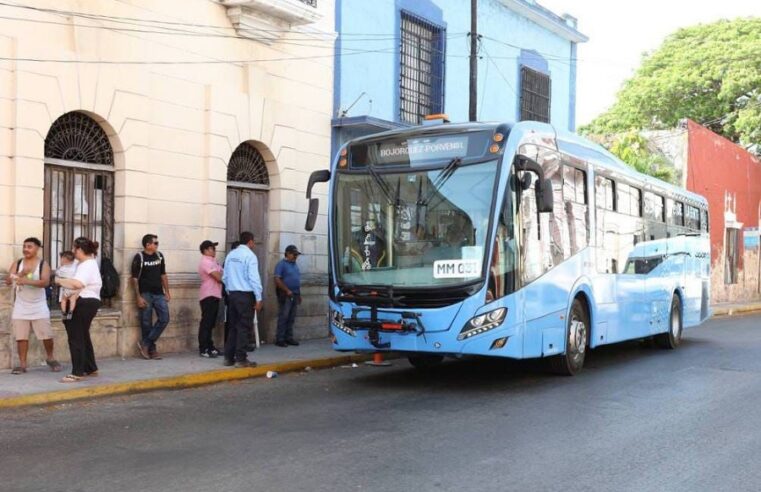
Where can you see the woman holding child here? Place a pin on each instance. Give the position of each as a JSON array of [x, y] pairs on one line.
[[85, 284]]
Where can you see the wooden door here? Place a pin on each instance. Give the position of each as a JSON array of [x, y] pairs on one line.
[[247, 211]]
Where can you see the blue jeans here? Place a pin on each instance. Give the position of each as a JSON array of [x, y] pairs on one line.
[[286, 316], [152, 331]]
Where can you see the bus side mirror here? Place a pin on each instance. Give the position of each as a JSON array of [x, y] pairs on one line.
[[320, 176], [544, 198], [542, 188]]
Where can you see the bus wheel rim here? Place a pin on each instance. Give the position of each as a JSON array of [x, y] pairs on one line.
[[674, 323], [578, 337]]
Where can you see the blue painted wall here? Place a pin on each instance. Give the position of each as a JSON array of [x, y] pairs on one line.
[[370, 81]]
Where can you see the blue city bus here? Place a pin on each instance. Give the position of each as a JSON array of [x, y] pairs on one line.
[[506, 240]]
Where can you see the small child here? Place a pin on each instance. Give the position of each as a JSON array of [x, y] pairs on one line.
[[67, 297]]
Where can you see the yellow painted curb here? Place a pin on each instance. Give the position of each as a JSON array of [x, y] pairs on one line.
[[176, 382]]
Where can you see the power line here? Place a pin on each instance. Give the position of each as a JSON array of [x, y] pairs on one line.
[[489, 58], [161, 24], [287, 41], [182, 62]]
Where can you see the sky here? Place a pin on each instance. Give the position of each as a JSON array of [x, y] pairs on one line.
[[620, 31]]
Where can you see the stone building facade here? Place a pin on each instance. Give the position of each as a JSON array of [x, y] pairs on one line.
[[189, 119]]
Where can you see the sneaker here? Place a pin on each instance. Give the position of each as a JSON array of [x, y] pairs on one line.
[[205, 353], [143, 351], [251, 347], [228, 363], [281, 344], [245, 363], [213, 352], [292, 342], [155, 355]]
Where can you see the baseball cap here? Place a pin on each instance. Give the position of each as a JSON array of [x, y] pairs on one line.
[[207, 244], [291, 248]]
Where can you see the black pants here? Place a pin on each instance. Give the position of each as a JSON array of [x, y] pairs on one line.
[[240, 315], [78, 332], [209, 311]]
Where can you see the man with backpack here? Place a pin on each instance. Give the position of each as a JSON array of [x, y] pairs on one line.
[[31, 276], [152, 294]]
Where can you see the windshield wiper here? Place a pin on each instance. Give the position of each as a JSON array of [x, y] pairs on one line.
[[381, 184], [442, 178]]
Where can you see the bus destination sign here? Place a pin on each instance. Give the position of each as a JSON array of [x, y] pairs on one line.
[[418, 150]]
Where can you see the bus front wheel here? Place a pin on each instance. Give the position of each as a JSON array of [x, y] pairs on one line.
[[672, 338], [425, 362], [577, 339]]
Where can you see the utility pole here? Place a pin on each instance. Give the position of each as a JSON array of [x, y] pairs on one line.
[[472, 109]]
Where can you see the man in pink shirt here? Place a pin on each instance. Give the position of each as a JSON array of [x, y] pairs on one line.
[[209, 294]]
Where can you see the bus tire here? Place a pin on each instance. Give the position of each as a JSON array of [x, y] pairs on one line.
[[425, 362], [577, 340], [673, 337]]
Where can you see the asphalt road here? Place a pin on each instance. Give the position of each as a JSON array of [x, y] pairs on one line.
[[637, 418]]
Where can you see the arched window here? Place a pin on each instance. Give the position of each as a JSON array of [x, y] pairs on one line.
[[79, 185], [247, 166]]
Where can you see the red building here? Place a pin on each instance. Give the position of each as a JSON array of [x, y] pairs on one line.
[[730, 178]]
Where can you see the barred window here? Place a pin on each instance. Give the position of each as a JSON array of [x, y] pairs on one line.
[[535, 95], [79, 186], [421, 85], [247, 165]]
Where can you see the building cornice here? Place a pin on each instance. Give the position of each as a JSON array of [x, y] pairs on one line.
[[564, 26], [268, 20]]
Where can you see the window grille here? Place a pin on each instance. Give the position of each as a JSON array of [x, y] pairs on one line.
[[421, 85], [78, 188], [77, 137], [535, 95], [247, 166]]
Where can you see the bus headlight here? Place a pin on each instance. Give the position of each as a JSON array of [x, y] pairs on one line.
[[483, 323], [337, 320]]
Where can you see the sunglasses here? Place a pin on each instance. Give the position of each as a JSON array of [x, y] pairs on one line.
[[155, 242]]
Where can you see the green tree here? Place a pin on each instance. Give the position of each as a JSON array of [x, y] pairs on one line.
[[631, 147], [710, 73]]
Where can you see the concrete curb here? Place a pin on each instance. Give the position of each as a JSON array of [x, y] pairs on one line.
[[735, 310], [176, 382]]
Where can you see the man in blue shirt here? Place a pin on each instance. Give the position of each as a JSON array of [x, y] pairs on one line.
[[288, 282], [244, 294]]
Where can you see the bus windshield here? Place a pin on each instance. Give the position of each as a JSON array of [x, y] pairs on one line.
[[424, 228]]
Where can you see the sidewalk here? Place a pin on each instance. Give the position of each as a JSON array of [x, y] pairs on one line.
[[120, 376], [730, 309]]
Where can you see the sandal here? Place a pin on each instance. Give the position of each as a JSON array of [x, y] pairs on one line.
[[71, 378], [54, 365], [18, 370]]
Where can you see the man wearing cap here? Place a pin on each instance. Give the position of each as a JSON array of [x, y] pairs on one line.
[[209, 295], [288, 283]]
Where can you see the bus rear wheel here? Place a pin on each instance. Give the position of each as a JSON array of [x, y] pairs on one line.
[[577, 339], [424, 362], [673, 337]]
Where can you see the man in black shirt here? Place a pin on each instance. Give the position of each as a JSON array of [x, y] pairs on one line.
[[152, 293]]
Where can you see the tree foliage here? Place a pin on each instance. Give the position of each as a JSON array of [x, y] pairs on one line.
[[710, 73], [631, 147]]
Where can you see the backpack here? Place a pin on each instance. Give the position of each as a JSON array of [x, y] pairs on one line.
[[49, 288], [110, 279], [142, 261]]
